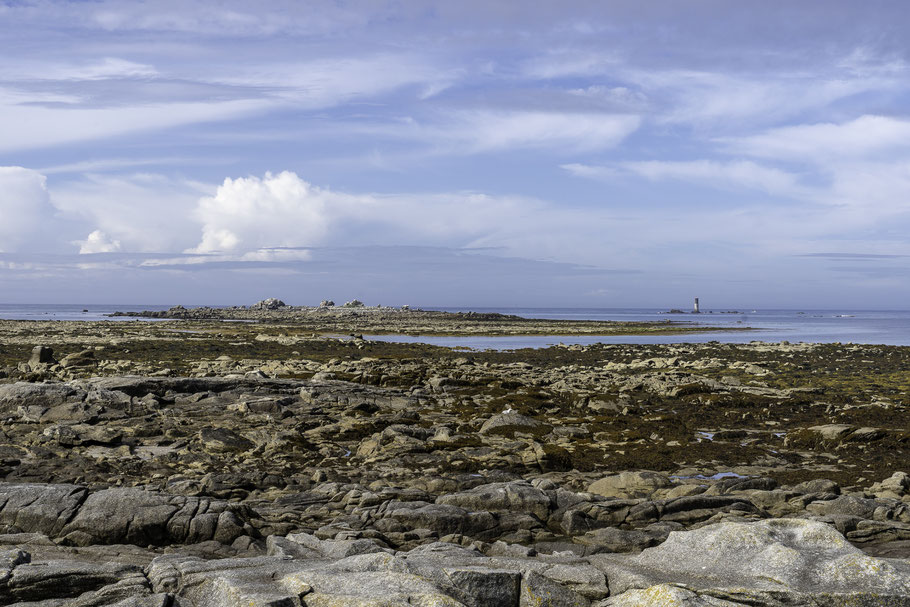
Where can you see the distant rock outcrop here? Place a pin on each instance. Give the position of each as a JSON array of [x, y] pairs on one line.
[[269, 304]]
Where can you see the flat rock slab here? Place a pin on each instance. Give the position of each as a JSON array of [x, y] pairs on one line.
[[801, 561], [75, 516]]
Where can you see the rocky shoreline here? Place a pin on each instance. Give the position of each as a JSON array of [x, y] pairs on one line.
[[203, 463]]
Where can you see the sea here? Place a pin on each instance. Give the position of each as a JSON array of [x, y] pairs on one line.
[[887, 327]]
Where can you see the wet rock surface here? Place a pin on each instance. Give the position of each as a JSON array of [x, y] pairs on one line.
[[207, 463]]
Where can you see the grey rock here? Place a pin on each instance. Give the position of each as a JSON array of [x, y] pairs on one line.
[[611, 539], [41, 355], [334, 549], [509, 420], [22, 394], [844, 505], [630, 484], [818, 485], [39, 508], [540, 591], [84, 358], [895, 486], [832, 432], [793, 561], [134, 516], [270, 303], [68, 579], [440, 518], [515, 496], [223, 440], [484, 587], [668, 595]]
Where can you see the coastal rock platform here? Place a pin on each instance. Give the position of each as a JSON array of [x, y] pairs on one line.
[[200, 463]]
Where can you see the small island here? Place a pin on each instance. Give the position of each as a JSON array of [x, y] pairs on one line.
[[355, 317]]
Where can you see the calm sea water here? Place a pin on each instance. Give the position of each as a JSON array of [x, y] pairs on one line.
[[69, 311], [857, 326]]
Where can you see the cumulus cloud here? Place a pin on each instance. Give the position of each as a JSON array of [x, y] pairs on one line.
[[252, 213], [256, 218], [98, 242], [25, 210]]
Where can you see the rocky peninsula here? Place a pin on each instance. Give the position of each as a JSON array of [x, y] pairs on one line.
[[195, 462]]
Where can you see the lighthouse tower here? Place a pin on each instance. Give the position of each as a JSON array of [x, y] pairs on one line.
[[695, 310]]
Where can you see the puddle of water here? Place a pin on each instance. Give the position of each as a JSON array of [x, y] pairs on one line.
[[715, 477], [709, 436], [721, 475]]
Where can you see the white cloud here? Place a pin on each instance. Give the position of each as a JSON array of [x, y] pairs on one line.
[[26, 214], [470, 132], [262, 256], [718, 98], [110, 68], [700, 97], [104, 68], [619, 95], [98, 242], [227, 18], [28, 126], [813, 143], [871, 191], [252, 213], [570, 63], [144, 212], [10, 96], [101, 165], [256, 217], [492, 131], [725, 175], [591, 171], [331, 81]]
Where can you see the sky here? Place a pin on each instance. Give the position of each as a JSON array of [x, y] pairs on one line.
[[471, 153]]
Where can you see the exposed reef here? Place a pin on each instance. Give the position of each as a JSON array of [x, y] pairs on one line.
[[355, 317], [204, 463]]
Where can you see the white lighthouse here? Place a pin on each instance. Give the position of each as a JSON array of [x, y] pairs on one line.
[[695, 309]]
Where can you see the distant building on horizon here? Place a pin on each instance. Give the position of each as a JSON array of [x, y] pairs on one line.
[[695, 310]]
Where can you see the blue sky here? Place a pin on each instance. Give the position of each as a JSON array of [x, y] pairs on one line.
[[593, 154]]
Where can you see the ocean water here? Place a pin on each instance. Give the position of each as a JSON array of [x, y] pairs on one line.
[[890, 327], [70, 311]]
